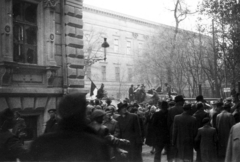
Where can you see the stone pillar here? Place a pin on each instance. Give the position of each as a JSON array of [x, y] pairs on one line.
[[49, 33], [6, 30]]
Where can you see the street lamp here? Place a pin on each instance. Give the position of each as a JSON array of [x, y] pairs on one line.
[[105, 45]]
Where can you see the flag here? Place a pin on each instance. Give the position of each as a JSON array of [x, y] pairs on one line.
[[93, 87]]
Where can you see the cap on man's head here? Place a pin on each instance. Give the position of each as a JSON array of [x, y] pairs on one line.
[[52, 110], [187, 107], [122, 105], [199, 98], [229, 99], [179, 98], [97, 113]]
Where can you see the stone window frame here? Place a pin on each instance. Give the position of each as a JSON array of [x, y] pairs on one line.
[[45, 33], [46, 63], [128, 47]]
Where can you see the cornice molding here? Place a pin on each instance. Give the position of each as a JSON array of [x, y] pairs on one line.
[[123, 17]]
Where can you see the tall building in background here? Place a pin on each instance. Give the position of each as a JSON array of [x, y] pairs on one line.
[[126, 36]]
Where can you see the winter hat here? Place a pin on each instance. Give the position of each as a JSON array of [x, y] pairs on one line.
[[179, 98], [97, 113], [72, 105]]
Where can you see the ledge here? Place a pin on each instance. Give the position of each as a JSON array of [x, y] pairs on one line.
[[27, 66], [30, 91]]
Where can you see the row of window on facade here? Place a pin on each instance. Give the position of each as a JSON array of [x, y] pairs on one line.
[[118, 77], [128, 46]]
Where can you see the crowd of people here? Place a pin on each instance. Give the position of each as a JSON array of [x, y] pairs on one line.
[[81, 130]]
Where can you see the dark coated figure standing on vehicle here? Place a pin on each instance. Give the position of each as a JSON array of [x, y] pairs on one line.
[[74, 140]]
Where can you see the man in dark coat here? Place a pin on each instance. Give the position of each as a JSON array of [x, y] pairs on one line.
[[131, 93], [224, 123], [161, 130], [74, 141], [172, 112], [11, 147], [199, 98], [100, 92], [52, 123], [130, 130], [200, 114], [184, 132]]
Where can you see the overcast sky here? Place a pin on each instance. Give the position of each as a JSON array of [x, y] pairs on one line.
[[152, 10]]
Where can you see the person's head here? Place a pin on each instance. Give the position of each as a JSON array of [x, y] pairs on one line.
[[6, 119], [166, 84], [135, 105], [122, 108], [97, 102], [206, 121], [227, 107], [72, 110], [199, 105], [91, 102], [132, 86], [171, 103], [102, 86], [17, 114], [108, 101], [179, 100], [98, 116], [199, 98], [187, 107], [52, 113], [164, 105]]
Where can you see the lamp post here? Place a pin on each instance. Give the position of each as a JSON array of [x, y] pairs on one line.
[[105, 45]]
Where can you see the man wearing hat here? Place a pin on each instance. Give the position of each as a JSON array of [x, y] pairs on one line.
[[172, 112], [184, 132], [131, 93], [130, 130], [52, 123], [224, 122], [217, 108]]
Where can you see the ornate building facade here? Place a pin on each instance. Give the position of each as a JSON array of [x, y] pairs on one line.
[[41, 57]]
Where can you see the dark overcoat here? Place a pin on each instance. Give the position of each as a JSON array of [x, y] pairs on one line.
[[160, 128], [11, 146], [184, 132], [224, 123], [129, 128], [51, 126], [150, 138], [200, 115], [69, 145], [172, 112], [207, 136]]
